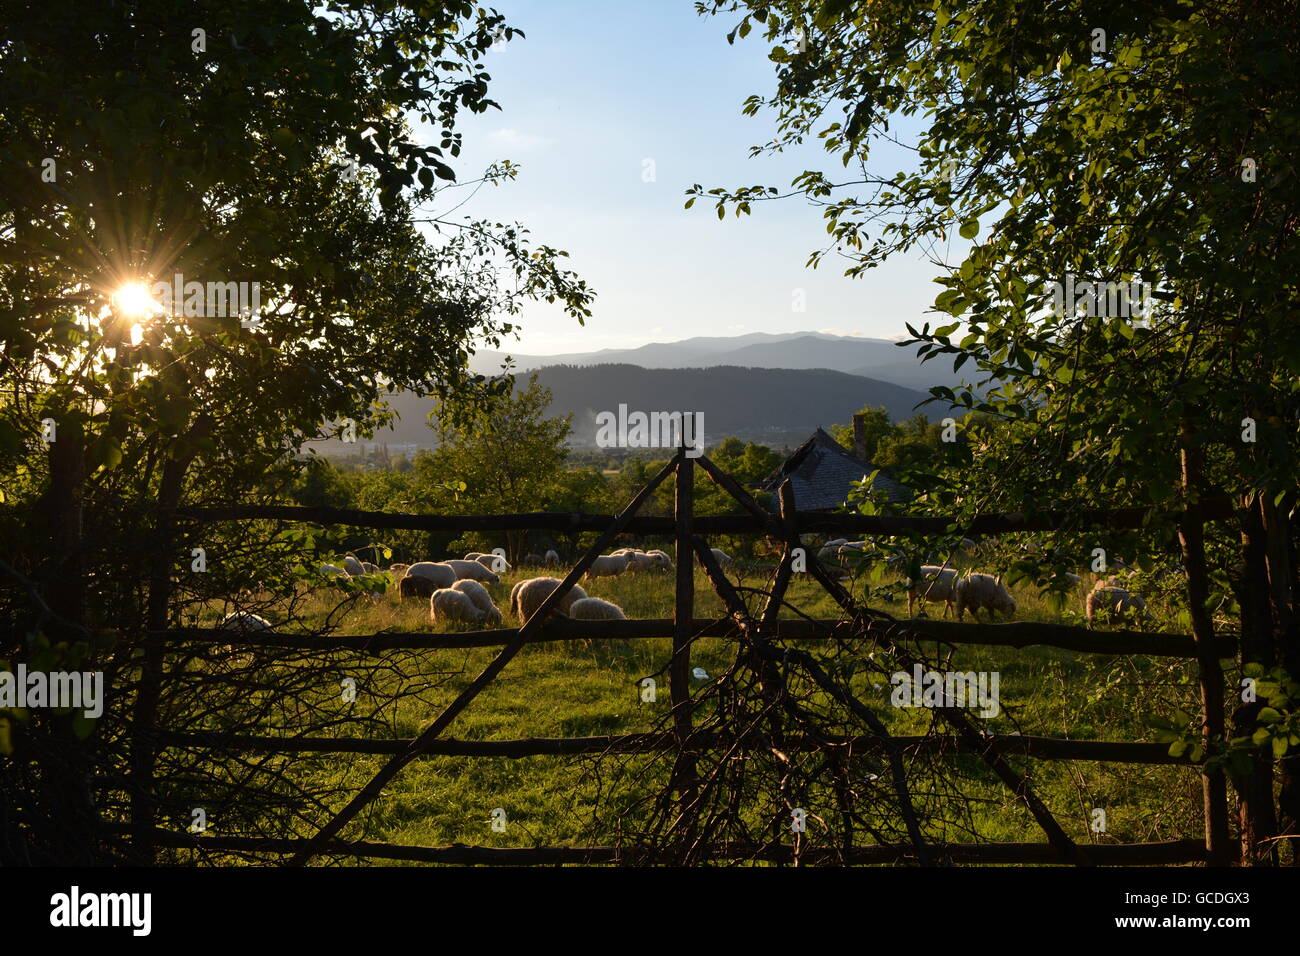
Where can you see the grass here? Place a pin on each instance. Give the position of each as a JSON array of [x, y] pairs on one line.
[[566, 690]]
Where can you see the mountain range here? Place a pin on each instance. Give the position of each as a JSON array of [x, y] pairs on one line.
[[774, 388]]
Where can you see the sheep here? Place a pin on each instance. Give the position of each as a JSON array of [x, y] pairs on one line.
[[245, 622], [937, 584], [472, 570], [639, 561], [527, 596], [835, 543], [594, 609], [607, 566], [473, 556], [983, 592], [448, 604], [661, 559], [1074, 579], [398, 571], [440, 573], [721, 557], [551, 558], [493, 562], [482, 600], [369, 568], [1106, 600], [333, 570], [353, 567], [533, 560], [415, 585]]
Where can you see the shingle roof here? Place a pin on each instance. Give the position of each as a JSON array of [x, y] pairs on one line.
[[822, 473]]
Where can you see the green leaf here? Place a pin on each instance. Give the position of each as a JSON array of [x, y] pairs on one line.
[[970, 228]]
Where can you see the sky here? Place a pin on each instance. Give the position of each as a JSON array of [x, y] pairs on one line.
[[591, 95]]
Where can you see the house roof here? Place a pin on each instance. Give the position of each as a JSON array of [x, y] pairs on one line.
[[822, 473]]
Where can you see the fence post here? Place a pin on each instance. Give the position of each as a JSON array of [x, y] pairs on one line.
[[1191, 534], [679, 670]]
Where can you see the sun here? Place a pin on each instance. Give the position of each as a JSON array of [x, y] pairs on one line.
[[133, 301]]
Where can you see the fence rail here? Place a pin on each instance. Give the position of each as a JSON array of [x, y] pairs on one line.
[[1017, 634]]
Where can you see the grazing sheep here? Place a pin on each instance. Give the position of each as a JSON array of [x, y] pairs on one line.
[[1105, 601], [983, 592], [472, 570], [936, 584], [493, 562], [415, 585], [527, 596], [353, 567], [439, 572], [482, 600], [448, 604], [533, 560], [335, 571], [1074, 579], [369, 568], [639, 561], [720, 556], [661, 559], [473, 555], [607, 566], [245, 622], [835, 543], [594, 609], [398, 571], [551, 558]]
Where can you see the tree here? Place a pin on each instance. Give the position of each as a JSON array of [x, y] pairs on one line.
[[508, 455], [1103, 144]]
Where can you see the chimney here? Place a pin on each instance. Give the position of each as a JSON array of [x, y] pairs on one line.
[[860, 437]]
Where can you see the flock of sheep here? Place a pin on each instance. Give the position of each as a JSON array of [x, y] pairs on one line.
[[975, 591], [457, 589]]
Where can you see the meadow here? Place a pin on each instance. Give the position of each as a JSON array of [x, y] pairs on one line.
[[565, 689]]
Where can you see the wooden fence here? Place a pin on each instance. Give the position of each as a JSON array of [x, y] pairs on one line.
[[683, 628]]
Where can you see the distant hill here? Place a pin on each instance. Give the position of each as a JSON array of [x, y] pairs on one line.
[[752, 403], [773, 405], [880, 359]]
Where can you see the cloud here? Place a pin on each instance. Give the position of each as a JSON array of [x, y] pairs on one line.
[[737, 328], [847, 333], [519, 141]]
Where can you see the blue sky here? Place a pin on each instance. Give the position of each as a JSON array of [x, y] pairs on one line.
[[596, 89]]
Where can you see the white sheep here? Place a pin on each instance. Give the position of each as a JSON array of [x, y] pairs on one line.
[[482, 600], [533, 560], [661, 559], [440, 573], [594, 609], [245, 622], [352, 566], [333, 570], [1105, 600], [398, 571], [835, 543], [527, 596], [369, 568], [493, 562], [551, 558], [473, 555], [721, 557], [472, 570], [639, 561], [448, 604], [936, 584], [983, 592], [607, 566]]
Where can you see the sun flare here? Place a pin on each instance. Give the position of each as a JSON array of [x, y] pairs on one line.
[[134, 302]]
